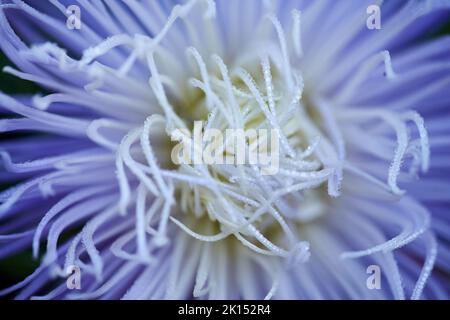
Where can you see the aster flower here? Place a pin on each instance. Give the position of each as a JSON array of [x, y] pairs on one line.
[[362, 181]]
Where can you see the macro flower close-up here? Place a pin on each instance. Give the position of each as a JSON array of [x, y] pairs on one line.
[[124, 170]]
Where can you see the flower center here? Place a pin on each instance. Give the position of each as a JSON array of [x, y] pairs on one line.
[[217, 200]]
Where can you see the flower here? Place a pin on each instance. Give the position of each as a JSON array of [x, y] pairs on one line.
[[350, 105]]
